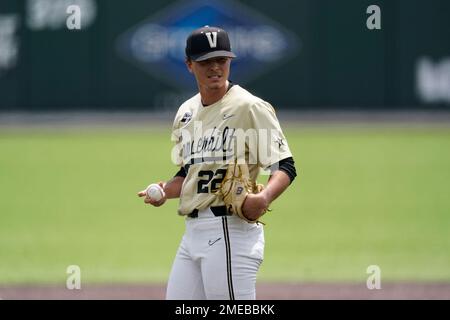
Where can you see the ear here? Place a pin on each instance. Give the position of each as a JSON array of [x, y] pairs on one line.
[[188, 64]]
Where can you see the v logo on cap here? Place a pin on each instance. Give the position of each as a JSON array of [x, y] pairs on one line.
[[208, 42], [213, 41]]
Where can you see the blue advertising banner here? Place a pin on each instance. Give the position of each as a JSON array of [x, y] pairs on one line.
[[307, 54]]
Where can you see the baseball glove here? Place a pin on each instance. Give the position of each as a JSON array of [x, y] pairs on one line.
[[235, 187]]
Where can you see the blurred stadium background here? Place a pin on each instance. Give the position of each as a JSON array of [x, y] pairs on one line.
[[85, 119]]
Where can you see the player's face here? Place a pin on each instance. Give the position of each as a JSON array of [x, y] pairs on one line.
[[212, 73]]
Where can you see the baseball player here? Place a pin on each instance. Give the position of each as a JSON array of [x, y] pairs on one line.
[[220, 253]]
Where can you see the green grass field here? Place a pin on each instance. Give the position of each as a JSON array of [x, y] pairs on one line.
[[364, 196]]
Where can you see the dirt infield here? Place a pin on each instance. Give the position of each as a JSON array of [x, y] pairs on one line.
[[265, 291]]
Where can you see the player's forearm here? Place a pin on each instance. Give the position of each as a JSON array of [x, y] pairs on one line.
[[278, 182], [172, 188]]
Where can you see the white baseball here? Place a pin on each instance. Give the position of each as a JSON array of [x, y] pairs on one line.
[[155, 192]]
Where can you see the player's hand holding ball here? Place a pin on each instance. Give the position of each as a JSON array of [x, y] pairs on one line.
[[154, 194]]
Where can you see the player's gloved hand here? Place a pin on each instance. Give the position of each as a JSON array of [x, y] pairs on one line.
[[148, 200], [255, 205]]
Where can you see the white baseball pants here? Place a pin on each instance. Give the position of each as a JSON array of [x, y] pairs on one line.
[[218, 259]]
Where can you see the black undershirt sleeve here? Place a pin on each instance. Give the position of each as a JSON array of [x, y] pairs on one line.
[[287, 166], [181, 173]]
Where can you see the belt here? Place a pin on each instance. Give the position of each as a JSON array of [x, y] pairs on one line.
[[217, 211]]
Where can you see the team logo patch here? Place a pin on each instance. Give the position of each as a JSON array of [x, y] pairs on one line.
[[280, 142], [187, 117]]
